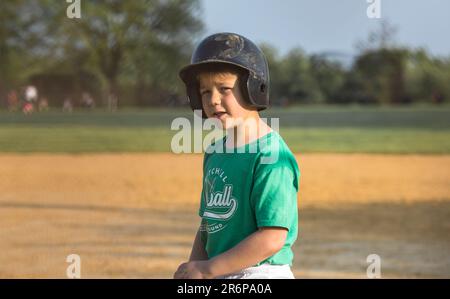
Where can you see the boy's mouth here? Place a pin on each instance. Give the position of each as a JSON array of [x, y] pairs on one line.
[[219, 114]]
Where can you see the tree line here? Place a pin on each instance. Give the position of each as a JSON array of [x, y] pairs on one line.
[[391, 75], [130, 52]]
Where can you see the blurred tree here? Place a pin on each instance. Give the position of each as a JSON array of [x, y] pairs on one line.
[[144, 42], [427, 79], [381, 66], [277, 96], [329, 75], [381, 38], [296, 77], [5, 34], [382, 72], [17, 33], [296, 80], [353, 90], [117, 42]]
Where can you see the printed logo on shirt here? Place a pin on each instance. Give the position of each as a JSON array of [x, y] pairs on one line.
[[219, 201], [214, 228]]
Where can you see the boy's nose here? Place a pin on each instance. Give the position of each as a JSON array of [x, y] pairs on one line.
[[215, 98]]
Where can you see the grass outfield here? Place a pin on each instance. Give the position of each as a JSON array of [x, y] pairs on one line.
[[306, 129]]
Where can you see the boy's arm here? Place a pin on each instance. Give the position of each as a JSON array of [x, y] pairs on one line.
[[198, 252], [257, 247]]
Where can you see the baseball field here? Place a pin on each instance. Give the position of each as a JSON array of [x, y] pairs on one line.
[[105, 186]]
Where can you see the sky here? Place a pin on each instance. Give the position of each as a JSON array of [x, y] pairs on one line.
[[319, 26]]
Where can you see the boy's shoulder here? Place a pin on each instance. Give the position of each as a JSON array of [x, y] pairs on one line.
[[275, 152], [270, 149]]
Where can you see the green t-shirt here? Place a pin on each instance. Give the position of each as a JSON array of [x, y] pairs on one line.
[[254, 186]]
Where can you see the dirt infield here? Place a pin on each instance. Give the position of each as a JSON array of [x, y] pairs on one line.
[[134, 215]]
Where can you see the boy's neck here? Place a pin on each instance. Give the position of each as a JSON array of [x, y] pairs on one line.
[[252, 128]]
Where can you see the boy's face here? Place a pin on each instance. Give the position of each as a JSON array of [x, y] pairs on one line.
[[222, 98]]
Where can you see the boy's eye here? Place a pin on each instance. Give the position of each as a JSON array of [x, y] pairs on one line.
[[204, 92], [225, 88]]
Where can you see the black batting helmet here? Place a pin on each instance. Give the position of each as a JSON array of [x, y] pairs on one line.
[[235, 50]]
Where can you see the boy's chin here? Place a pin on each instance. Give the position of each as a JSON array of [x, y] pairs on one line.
[[224, 121], [228, 123]]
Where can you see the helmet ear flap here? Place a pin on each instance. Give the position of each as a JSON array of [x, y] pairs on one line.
[[262, 88], [194, 97], [254, 91], [258, 93]]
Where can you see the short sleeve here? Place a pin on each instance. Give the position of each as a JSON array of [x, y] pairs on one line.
[[202, 203], [201, 209], [274, 196]]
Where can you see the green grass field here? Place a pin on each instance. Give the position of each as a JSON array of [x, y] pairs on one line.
[[350, 129]]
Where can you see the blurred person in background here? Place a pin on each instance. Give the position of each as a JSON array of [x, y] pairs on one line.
[[13, 101], [87, 100], [67, 105], [43, 104]]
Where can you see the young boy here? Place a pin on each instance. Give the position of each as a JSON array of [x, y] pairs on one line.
[[249, 197]]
